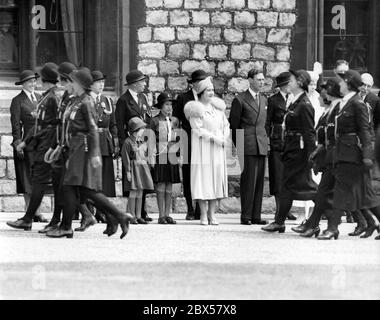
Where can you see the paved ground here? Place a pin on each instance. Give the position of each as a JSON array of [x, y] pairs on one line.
[[186, 261]]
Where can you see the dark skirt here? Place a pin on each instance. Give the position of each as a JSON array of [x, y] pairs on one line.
[[275, 167], [23, 172], [371, 199], [141, 177], [41, 173], [79, 170], [166, 172], [297, 181], [108, 176]]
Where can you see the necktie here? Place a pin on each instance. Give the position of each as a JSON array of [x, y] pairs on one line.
[[287, 100], [34, 100]]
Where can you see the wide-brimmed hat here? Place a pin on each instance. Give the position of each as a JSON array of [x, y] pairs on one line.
[[98, 75], [283, 79], [203, 85], [27, 75], [162, 98], [49, 72], [135, 124], [82, 77], [198, 75], [65, 68], [332, 87], [302, 76], [353, 78], [134, 76]]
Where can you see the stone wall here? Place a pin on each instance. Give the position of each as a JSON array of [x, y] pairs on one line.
[[224, 37]]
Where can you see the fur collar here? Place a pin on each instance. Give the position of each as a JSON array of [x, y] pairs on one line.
[[196, 109]]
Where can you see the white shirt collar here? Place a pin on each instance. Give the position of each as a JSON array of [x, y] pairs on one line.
[[346, 98], [135, 95], [195, 94], [253, 93], [29, 94]]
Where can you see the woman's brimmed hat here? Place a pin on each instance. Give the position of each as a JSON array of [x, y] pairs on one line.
[[332, 87], [162, 98], [26, 75], [134, 76], [49, 73], [283, 79], [65, 68], [82, 77], [303, 77], [135, 124], [197, 75], [98, 75], [353, 78]]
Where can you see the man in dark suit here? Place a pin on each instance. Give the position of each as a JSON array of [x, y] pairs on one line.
[[22, 110], [179, 104], [248, 112], [133, 103], [370, 99]]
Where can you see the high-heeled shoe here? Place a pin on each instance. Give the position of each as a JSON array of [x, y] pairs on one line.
[[112, 226], [328, 235], [300, 228], [20, 224], [274, 227], [358, 231], [311, 232], [369, 231], [124, 224]]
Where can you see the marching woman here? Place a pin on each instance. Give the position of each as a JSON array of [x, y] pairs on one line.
[[209, 138], [352, 156], [166, 172], [83, 176], [299, 143]]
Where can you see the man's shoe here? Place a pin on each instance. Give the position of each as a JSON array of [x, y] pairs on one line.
[[259, 221], [40, 218], [60, 233], [291, 216], [328, 235], [141, 221], [49, 227], [162, 220], [20, 224], [246, 222], [190, 216], [147, 218], [86, 223], [274, 227]]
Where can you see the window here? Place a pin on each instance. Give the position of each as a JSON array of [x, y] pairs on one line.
[[8, 35]]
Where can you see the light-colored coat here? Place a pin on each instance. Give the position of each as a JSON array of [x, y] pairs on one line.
[[209, 137]]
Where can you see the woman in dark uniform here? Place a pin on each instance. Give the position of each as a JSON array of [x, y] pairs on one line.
[[22, 110], [299, 143], [277, 105], [83, 176]]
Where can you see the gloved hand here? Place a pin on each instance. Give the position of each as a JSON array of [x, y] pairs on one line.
[[47, 157], [20, 150], [368, 163]]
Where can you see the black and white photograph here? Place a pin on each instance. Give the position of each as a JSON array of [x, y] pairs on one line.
[[189, 155]]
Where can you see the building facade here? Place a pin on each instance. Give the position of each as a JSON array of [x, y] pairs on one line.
[[168, 39]]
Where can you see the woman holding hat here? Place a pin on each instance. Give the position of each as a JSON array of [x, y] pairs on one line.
[[166, 170], [209, 139], [299, 143], [136, 161], [39, 139], [83, 174], [277, 106]]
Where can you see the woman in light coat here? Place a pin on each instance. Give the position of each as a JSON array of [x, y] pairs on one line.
[[209, 138]]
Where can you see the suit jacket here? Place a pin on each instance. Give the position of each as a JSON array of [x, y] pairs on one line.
[[353, 119], [179, 104], [22, 119], [275, 116], [127, 108], [246, 114], [374, 102]]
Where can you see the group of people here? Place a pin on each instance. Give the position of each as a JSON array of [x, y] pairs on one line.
[[70, 142]]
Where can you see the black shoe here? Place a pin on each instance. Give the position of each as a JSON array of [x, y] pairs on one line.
[[86, 223], [40, 218], [377, 238], [162, 220], [358, 231], [60, 233], [274, 227], [112, 226], [246, 222], [124, 221], [49, 227], [300, 228], [328, 235], [190, 216], [369, 231], [141, 221], [311, 232], [170, 220], [291, 216], [259, 221], [20, 224], [147, 218]]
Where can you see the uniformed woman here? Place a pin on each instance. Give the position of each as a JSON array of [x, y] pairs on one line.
[[352, 156], [83, 176], [299, 143]]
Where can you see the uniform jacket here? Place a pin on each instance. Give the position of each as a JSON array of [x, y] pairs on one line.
[[127, 108], [299, 126], [374, 103], [275, 116], [178, 107], [353, 132], [22, 118], [248, 115], [105, 119]]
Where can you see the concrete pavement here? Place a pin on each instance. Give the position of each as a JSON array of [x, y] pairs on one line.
[[186, 261]]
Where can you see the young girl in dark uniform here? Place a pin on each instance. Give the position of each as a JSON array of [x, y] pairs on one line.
[[166, 171], [83, 176]]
